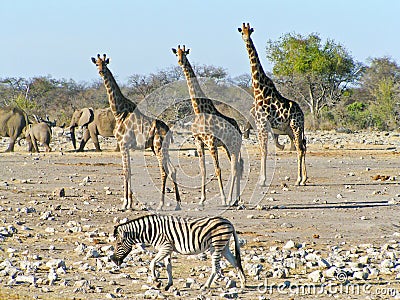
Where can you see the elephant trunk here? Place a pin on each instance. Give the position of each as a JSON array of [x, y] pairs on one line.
[[73, 139]]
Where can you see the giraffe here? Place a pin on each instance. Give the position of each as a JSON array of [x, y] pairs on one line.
[[136, 131], [271, 109], [212, 129]]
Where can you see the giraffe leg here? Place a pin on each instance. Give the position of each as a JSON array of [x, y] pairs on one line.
[[172, 172], [263, 143], [163, 177], [301, 149], [202, 164], [303, 163], [292, 146], [214, 153], [126, 169], [234, 174], [238, 178]]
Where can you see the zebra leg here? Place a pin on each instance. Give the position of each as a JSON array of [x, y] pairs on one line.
[[215, 257], [232, 260], [168, 266], [163, 252]]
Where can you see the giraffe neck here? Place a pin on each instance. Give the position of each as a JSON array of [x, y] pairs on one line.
[[262, 84], [118, 103], [195, 90]]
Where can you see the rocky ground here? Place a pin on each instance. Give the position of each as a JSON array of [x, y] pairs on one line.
[[337, 237]]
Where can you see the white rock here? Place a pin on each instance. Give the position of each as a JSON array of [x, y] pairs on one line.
[[50, 230], [46, 215], [387, 263], [280, 273], [92, 253], [189, 282], [323, 263], [56, 263], [360, 275], [153, 294], [331, 272], [364, 259], [52, 276], [290, 245], [80, 248], [142, 270], [81, 283], [26, 279], [315, 276]]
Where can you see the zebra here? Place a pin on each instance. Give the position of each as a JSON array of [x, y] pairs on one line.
[[182, 235]]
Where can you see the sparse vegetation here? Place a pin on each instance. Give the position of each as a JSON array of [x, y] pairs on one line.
[[332, 88]]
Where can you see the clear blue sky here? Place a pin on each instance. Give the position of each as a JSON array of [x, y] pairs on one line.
[[58, 37]]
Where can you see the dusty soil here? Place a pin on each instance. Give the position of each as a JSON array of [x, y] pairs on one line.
[[342, 204]]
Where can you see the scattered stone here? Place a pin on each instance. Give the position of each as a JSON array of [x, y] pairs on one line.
[[315, 276], [55, 264], [290, 245], [59, 192], [26, 279]]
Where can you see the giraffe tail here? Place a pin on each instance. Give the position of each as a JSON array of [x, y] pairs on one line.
[[303, 142], [240, 166]]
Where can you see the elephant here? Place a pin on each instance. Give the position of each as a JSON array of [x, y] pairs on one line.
[[94, 123], [12, 122], [275, 134], [38, 132]]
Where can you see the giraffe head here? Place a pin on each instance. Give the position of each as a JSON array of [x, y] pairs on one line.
[[101, 63], [246, 31], [181, 54]]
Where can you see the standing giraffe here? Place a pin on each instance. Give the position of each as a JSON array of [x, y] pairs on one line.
[[212, 129], [274, 110], [135, 130]]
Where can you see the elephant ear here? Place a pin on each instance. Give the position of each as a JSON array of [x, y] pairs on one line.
[[86, 117]]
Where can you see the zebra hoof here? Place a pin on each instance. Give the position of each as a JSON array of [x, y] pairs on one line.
[[158, 285], [168, 286], [178, 207]]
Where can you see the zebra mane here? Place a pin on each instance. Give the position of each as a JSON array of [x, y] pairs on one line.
[[128, 222], [115, 231]]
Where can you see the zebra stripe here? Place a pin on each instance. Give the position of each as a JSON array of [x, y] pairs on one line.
[[183, 235]]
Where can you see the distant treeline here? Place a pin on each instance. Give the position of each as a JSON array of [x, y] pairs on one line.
[[332, 89]]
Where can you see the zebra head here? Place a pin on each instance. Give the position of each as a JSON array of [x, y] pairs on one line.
[[123, 245]]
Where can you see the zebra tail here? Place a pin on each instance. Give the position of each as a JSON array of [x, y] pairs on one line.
[[237, 256]]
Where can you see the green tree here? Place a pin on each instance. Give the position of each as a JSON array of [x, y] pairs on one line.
[[381, 84], [316, 72]]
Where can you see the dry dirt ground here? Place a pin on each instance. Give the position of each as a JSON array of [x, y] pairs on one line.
[[344, 204]]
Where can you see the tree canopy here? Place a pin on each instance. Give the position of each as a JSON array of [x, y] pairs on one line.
[[317, 72]]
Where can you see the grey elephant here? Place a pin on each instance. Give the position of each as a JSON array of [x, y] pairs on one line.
[[275, 134], [12, 122], [38, 132], [94, 123]]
